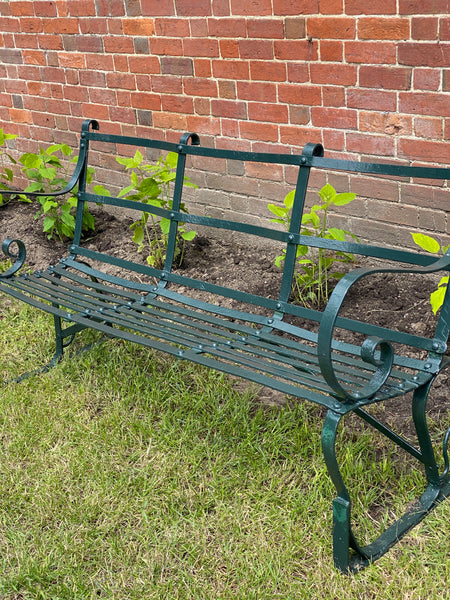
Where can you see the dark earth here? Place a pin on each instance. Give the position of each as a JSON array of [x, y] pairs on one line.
[[387, 300]]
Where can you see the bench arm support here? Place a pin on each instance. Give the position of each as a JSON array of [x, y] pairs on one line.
[[19, 257], [372, 345]]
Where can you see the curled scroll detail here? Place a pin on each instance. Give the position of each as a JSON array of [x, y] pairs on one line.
[[18, 258]]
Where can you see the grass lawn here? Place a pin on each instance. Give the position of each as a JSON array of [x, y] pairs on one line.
[[126, 475]]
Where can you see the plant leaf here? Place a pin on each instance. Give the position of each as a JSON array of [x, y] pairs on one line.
[[426, 242]]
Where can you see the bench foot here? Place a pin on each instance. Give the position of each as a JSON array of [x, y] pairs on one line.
[[349, 556], [63, 339]]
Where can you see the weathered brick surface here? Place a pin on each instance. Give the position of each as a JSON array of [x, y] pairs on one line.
[[365, 78]]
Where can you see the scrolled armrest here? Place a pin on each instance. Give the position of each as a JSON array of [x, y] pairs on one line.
[[19, 258], [372, 345]]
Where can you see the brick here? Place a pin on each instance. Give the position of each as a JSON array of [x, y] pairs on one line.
[[227, 89], [177, 66], [141, 45], [331, 51], [89, 43], [202, 106], [330, 74], [71, 60], [221, 8], [428, 151], [158, 8], [232, 28], [166, 46], [61, 25], [425, 103], [8, 55], [192, 8], [198, 27], [444, 29], [25, 41], [227, 69], [138, 27], [306, 95], [371, 100], [424, 28], [387, 123], [268, 71], [362, 7], [172, 27], [424, 54], [124, 81], [333, 96], [31, 25], [170, 121], [429, 127], [179, 104], [121, 63], [413, 7], [110, 8], [81, 8], [340, 28], [427, 79], [19, 8], [298, 73], [229, 48], [100, 62], [144, 117], [201, 47], [146, 101], [251, 7], [257, 91], [375, 145], [93, 78], [20, 116], [297, 137], [50, 42], [265, 111], [293, 7], [52, 74], [9, 25], [200, 87], [5, 8], [102, 96], [294, 28], [256, 49], [331, 7], [392, 78], [371, 53], [76, 93], [232, 109], [265, 28], [339, 118], [372, 187], [202, 67], [296, 50], [370, 28], [299, 115], [203, 125]]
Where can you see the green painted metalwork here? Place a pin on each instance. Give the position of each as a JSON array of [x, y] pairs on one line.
[[265, 340]]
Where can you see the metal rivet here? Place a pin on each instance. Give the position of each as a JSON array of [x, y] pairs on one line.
[[278, 304], [270, 321], [303, 160], [427, 366], [291, 237]]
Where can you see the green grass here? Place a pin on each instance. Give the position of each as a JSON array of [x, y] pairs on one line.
[[126, 475]]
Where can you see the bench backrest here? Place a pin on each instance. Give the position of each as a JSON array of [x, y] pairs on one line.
[[311, 158]]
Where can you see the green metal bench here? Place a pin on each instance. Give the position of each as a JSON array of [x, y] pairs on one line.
[[266, 340]]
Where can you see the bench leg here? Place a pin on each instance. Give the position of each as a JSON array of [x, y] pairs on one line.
[[63, 338], [348, 555]]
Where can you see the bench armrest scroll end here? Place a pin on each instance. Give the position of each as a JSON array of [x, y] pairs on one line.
[[19, 257]]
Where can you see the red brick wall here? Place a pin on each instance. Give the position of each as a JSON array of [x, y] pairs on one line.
[[372, 80]]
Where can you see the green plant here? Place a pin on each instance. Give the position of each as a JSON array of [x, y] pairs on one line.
[[6, 174], [429, 244], [312, 280], [50, 174], [150, 184]]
